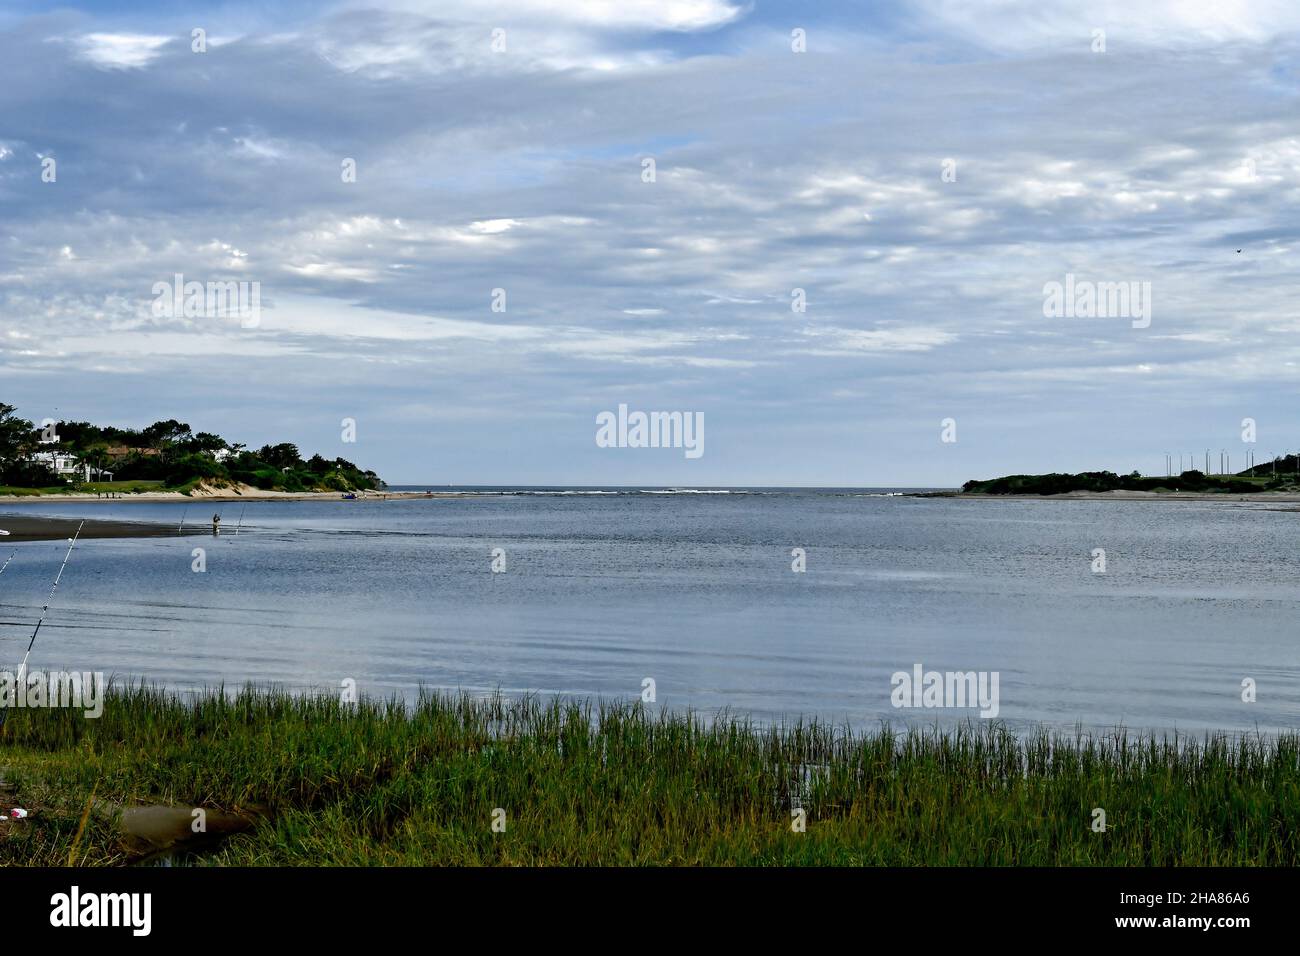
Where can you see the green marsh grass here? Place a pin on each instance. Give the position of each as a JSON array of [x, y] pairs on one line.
[[616, 784]]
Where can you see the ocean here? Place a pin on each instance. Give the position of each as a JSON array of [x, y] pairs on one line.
[[605, 590]]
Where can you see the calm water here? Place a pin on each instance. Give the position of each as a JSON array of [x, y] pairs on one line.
[[696, 591]]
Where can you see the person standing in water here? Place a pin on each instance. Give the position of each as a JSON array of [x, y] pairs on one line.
[[216, 525]]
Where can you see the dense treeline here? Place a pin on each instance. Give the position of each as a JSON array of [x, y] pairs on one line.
[[1056, 484], [169, 452]]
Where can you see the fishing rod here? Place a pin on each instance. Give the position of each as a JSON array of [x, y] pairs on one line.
[[22, 668], [241, 520]]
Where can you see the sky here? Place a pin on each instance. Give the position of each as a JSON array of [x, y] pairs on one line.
[[921, 170]]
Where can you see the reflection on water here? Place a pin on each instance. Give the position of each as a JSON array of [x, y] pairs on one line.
[[697, 592]]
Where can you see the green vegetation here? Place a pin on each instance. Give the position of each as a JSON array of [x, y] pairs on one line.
[[1260, 478], [120, 487], [379, 783], [165, 455]]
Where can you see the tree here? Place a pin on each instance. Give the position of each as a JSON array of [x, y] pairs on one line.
[[283, 455], [16, 434], [96, 458], [206, 441], [79, 435], [166, 433]]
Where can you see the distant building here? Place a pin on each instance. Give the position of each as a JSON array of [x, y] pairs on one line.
[[62, 463], [66, 465]]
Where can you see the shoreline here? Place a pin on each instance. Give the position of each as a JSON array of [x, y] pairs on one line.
[[52, 528], [1280, 497], [42, 528], [253, 494], [28, 527]]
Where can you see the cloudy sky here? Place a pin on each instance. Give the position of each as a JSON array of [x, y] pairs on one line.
[[481, 168]]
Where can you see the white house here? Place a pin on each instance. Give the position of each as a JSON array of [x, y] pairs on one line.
[[65, 465]]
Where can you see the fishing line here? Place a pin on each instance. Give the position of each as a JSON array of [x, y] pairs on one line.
[[22, 668], [7, 560]]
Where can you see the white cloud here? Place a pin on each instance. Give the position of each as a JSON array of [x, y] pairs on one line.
[[840, 341], [1024, 24], [473, 176], [121, 51], [683, 15], [493, 226]]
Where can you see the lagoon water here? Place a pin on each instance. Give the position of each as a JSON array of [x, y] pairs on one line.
[[696, 591]]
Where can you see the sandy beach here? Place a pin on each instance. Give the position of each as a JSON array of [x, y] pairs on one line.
[[41, 528], [232, 493], [34, 528]]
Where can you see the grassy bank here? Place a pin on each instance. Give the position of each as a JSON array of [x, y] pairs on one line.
[[119, 487], [382, 784]]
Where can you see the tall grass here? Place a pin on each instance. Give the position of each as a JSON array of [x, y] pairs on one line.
[[582, 783]]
